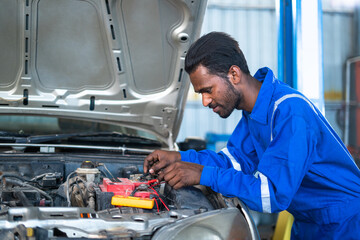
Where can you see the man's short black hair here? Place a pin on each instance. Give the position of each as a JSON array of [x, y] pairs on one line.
[[216, 51]]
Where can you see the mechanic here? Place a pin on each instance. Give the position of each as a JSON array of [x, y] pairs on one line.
[[282, 155]]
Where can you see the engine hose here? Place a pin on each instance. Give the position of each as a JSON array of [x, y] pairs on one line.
[[68, 188], [4, 175], [23, 199], [22, 184]]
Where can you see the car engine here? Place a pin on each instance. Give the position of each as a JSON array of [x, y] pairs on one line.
[[61, 195], [93, 185]]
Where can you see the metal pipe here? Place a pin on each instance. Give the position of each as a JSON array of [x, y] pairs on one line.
[[347, 98], [122, 149]]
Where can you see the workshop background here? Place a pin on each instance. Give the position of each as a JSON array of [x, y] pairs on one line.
[[314, 46]]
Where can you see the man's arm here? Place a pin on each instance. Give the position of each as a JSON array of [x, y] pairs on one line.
[[192, 162], [160, 159], [239, 153], [169, 167], [181, 174], [280, 172]]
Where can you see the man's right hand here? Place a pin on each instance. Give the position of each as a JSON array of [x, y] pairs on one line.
[[160, 159]]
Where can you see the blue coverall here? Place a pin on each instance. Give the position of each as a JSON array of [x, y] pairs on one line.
[[285, 155]]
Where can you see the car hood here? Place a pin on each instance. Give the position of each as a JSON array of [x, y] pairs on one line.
[[102, 60]]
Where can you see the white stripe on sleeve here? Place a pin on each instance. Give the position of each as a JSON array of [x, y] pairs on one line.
[[265, 192], [235, 164]]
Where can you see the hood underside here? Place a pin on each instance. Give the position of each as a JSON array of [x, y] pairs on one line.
[[117, 61]]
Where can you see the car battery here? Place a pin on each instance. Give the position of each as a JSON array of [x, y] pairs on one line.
[[124, 187]]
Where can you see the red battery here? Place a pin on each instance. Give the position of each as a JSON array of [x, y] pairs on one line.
[[125, 187]]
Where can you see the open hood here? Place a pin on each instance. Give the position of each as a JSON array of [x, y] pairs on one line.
[[117, 61]]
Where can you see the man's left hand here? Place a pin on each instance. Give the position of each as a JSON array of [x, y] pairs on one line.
[[181, 174]]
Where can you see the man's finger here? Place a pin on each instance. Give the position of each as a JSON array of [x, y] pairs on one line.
[[169, 168], [169, 173], [157, 166], [149, 161], [176, 182], [160, 176], [149, 165], [178, 185]]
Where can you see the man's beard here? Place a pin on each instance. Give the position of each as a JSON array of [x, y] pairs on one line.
[[232, 100]]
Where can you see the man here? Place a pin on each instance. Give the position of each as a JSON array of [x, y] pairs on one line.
[[283, 154]]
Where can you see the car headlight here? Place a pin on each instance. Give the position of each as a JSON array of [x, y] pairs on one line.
[[227, 223]]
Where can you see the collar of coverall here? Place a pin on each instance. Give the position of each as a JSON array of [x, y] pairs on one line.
[[260, 110]]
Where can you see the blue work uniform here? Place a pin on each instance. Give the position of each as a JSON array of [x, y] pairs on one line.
[[284, 155]]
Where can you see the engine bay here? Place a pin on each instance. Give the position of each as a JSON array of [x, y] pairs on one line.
[[86, 183], [41, 191]]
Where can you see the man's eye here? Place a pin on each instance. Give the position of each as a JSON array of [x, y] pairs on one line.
[[206, 90]]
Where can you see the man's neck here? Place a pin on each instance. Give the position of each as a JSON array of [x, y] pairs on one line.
[[251, 92]]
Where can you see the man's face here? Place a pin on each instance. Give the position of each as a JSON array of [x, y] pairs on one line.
[[217, 93]]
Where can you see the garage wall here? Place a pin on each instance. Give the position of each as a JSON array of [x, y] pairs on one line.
[[253, 25], [339, 44]]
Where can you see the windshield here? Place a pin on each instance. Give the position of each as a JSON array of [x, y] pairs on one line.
[[41, 125]]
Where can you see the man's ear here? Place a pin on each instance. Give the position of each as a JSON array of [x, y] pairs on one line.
[[235, 74]]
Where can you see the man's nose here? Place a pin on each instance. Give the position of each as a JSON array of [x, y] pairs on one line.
[[206, 99]]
